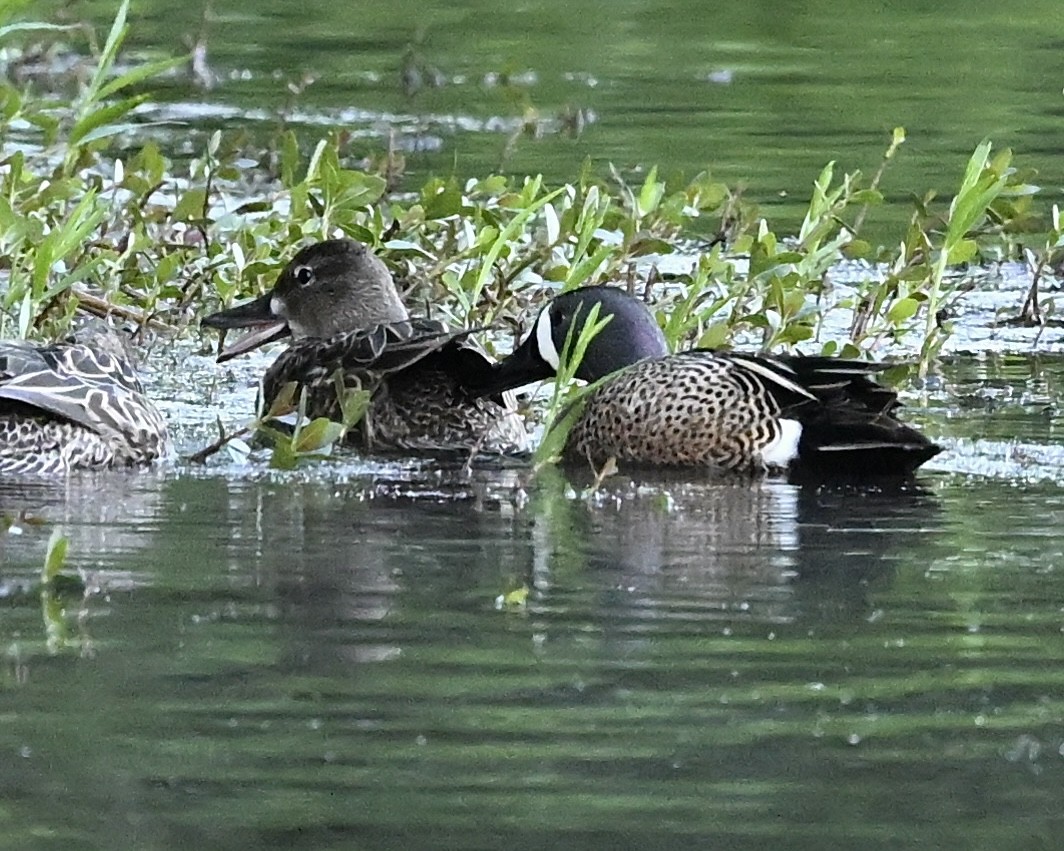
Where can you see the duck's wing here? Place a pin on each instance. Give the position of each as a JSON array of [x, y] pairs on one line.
[[372, 353], [835, 379], [798, 382], [853, 429], [75, 382], [771, 380]]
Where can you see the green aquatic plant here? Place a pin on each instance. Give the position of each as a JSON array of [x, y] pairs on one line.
[[57, 588], [566, 402], [984, 180], [157, 240], [54, 556], [1046, 259], [311, 439]]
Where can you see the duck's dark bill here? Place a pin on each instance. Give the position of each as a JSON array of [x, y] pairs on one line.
[[257, 315], [524, 366], [253, 339]]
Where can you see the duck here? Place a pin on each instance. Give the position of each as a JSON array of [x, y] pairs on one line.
[[339, 304], [806, 416], [76, 404]]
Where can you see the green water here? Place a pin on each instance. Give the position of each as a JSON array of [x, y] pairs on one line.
[[299, 664], [763, 94]]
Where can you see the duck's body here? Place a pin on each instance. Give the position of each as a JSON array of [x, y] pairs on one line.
[[339, 301], [415, 370], [717, 410], [72, 406]]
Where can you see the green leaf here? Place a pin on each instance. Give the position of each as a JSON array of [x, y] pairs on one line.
[[581, 273], [190, 206], [651, 194], [572, 355], [980, 186], [796, 332], [115, 38], [443, 204], [284, 402], [353, 405], [509, 233], [289, 158], [317, 434], [557, 432], [140, 73], [283, 456], [102, 117], [963, 252], [715, 336], [903, 310], [867, 196], [55, 556]]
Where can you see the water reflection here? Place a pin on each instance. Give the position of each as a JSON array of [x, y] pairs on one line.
[[762, 550], [370, 570], [311, 663], [101, 513]]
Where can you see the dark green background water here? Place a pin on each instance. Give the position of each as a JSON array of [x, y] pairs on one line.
[[761, 93], [317, 660]]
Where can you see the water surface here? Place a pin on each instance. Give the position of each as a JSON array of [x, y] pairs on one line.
[[763, 94], [327, 658], [322, 659]]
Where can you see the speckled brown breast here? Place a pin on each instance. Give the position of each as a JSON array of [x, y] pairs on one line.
[[689, 409], [427, 410]]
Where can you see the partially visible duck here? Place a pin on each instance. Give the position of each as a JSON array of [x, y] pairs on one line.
[[74, 405]]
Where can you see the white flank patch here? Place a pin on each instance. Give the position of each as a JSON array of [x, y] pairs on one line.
[[545, 340], [784, 449]]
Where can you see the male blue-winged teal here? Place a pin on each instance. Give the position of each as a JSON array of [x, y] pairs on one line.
[[74, 405], [339, 303], [724, 410]]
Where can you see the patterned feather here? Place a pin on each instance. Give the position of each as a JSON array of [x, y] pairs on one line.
[[412, 368], [825, 417], [72, 405]]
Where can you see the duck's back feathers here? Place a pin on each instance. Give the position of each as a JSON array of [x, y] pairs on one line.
[[73, 381], [426, 408], [852, 431], [70, 405], [364, 355]]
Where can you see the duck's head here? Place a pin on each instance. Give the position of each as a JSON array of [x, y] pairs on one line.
[[631, 335], [328, 288]]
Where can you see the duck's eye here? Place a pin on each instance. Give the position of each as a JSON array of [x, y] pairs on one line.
[[304, 274]]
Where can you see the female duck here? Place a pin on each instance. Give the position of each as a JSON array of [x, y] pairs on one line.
[[74, 405], [714, 409], [339, 303]]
